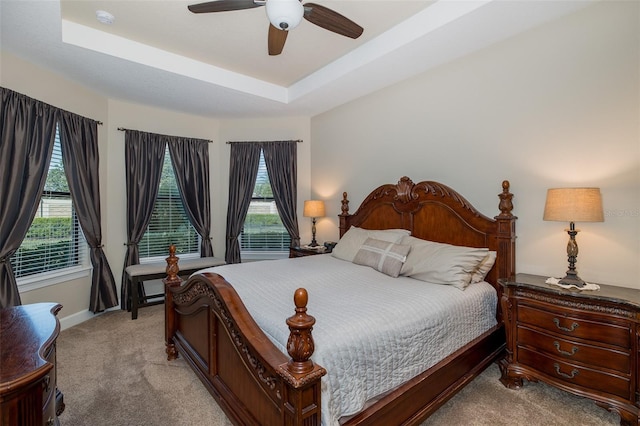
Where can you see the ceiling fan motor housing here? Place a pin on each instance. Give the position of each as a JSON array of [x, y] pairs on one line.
[[284, 14]]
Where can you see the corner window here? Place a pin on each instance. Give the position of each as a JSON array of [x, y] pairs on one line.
[[169, 222], [54, 240], [263, 230]]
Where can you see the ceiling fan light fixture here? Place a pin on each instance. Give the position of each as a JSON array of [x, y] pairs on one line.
[[284, 14]]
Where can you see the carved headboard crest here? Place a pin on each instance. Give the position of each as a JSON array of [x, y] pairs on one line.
[[406, 191]]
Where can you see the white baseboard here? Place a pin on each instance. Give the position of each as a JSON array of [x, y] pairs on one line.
[[80, 317]]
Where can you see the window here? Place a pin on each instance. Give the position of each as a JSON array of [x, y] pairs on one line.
[[263, 230], [54, 240], [169, 222]]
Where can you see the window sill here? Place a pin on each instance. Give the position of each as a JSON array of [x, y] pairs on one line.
[[263, 255], [45, 279], [159, 259]]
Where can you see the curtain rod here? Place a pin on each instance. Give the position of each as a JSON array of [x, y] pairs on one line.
[[296, 140], [122, 129]]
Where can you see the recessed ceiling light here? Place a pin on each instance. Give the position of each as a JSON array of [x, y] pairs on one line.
[[105, 17]]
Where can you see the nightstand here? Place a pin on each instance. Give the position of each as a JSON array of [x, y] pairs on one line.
[[302, 251], [584, 342]]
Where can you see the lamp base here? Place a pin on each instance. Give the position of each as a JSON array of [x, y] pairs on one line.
[[314, 243], [570, 279]]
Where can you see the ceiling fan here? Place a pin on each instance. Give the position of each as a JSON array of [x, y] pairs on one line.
[[285, 15]]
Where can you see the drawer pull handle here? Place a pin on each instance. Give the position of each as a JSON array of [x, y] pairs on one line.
[[573, 374], [574, 349], [574, 325]]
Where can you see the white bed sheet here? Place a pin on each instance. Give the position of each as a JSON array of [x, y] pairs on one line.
[[404, 326]]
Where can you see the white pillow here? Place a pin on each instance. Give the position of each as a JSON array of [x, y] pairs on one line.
[[382, 256], [484, 267], [440, 263], [353, 239]]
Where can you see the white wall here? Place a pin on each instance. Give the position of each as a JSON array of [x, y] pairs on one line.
[[556, 106]]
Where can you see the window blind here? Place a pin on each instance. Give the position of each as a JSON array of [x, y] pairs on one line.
[[169, 222], [263, 229], [54, 240]]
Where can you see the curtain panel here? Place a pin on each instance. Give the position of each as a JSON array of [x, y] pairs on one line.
[[81, 164], [190, 159], [281, 160], [144, 156], [243, 171], [26, 143]]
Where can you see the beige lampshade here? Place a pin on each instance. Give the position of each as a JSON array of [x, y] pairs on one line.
[[574, 205], [313, 208]]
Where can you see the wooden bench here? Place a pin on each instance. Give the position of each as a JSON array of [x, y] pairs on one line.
[[136, 275]]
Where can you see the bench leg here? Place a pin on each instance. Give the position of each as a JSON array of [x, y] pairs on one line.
[[135, 297]]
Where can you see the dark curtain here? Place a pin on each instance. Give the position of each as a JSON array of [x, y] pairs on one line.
[[190, 159], [144, 156], [243, 171], [26, 143], [281, 161], [79, 143]]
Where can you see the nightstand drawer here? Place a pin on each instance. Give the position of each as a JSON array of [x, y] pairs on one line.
[[575, 375], [573, 351], [589, 327]]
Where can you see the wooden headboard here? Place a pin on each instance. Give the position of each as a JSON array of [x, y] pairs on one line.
[[433, 211]]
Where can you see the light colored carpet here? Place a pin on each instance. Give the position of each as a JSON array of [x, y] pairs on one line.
[[113, 371]]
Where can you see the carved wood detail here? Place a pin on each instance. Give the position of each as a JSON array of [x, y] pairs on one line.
[[196, 289], [300, 381], [506, 204], [575, 304]]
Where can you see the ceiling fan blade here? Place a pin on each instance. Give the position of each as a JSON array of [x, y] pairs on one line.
[[222, 6], [331, 20], [276, 40]]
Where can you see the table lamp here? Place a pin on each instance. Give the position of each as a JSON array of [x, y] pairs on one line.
[[573, 205], [313, 209]]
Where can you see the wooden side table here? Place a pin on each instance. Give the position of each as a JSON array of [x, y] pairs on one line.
[[584, 342], [28, 392]]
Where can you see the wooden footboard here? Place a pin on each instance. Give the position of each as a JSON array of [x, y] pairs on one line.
[[250, 378]]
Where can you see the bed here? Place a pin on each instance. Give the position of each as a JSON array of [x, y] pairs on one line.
[[266, 360]]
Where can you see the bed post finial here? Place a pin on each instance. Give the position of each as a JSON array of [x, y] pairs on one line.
[[506, 205], [345, 204], [172, 267], [300, 345]]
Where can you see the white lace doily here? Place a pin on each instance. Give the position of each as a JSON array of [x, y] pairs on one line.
[[587, 286]]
